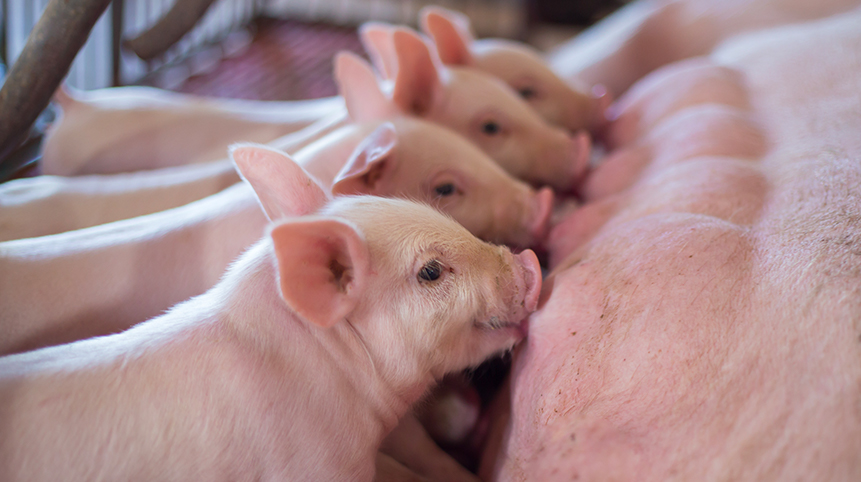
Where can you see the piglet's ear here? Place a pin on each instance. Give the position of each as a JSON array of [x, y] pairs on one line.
[[283, 188], [322, 267], [369, 163], [377, 39], [450, 33], [359, 86], [418, 77]]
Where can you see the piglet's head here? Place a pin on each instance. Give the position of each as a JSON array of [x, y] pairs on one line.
[[477, 105], [561, 103], [413, 288], [414, 159], [423, 295]]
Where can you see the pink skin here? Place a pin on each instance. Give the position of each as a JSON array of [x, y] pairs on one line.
[[645, 35], [412, 447], [566, 104], [695, 81], [477, 105], [706, 328], [182, 252], [117, 131], [127, 198], [46, 205], [427, 162], [412, 163], [127, 129], [698, 131], [319, 303]]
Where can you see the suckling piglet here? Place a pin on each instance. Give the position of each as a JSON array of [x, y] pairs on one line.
[[293, 367]]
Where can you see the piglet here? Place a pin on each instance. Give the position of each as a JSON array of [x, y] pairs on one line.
[[294, 367], [103, 279], [46, 205], [478, 105], [570, 104], [124, 129]]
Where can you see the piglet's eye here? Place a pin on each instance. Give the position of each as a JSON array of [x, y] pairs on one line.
[[431, 271], [490, 128], [527, 93], [443, 190]]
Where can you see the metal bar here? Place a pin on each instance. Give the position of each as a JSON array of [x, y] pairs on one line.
[[50, 49], [4, 54], [117, 8], [181, 18], [25, 156]]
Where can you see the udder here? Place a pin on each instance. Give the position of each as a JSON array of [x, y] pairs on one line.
[[601, 370], [681, 333]]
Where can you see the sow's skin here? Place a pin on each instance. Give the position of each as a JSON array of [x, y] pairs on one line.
[[707, 328], [106, 278], [647, 34], [339, 320]]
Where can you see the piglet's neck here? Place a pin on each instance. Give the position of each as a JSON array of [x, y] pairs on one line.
[[335, 356]]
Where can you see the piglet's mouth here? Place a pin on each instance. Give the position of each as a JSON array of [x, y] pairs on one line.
[[520, 328]]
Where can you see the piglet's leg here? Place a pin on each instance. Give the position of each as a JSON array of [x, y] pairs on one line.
[[411, 445], [390, 470]]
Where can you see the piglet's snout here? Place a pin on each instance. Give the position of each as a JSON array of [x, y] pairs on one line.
[[565, 163], [527, 281], [578, 158], [539, 216]]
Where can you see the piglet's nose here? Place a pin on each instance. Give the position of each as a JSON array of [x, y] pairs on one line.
[[531, 278], [601, 102], [578, 157], [540, 215]]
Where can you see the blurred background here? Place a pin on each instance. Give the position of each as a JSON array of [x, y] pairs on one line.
[[273, 49], [248, 49]]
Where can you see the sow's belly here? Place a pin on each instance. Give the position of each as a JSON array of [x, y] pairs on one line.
[[702, 319]]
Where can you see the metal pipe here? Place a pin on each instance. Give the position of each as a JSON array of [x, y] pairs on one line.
[[4, 13], [181, 18], [117, 22], [50, 49]]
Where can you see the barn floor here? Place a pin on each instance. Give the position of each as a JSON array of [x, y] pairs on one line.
[[286, 60]]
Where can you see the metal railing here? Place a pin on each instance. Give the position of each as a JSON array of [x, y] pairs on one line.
[[490, 18], [97, 65]]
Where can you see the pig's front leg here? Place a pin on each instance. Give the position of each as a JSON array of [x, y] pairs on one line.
[[390, 470], [410, 444]]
